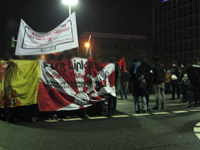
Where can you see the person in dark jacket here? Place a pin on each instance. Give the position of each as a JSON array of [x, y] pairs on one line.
[[148, 75], [184, 81], [159, 83], [131, 73], [193, 72], [123, 85], [112, 101], [138, 90], [175, 71]]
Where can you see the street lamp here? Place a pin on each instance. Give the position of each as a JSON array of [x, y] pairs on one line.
[[70, 3], [87, 45]]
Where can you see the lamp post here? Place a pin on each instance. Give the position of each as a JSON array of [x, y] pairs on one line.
[[70, 3]]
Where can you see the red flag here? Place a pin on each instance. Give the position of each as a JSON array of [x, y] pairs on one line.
[[122, 64]]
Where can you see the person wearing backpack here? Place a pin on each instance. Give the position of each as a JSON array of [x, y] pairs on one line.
[[175, 71], [184, 82], [139, 86], [159, 83], [148, 75]]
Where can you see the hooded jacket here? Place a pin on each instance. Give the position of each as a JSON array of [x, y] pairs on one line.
[[159, 75], [193, 72]]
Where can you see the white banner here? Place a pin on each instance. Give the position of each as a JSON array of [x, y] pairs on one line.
[[64, 37]]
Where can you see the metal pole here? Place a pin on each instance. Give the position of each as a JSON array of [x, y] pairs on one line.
[[70, 9]]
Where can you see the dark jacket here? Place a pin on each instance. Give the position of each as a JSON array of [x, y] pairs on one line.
[[137, 91], [117, 72], [148, 73], [159, 75], [123, 77], [193, 72], [175, 71], [182, 74]]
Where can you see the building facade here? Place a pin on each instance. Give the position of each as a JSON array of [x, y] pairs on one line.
[[118, 45], [176, 30]]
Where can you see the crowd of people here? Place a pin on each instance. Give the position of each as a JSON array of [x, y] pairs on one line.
[[141, 80]]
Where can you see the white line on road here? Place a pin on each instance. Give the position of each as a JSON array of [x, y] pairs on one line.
[[174, 104], [72, 119], [122, 104], [198, 135], [160, 113], [120, 116], [195, 110], [101, 117], [147, 114], [196, 129], [181, 111], [51, 120]]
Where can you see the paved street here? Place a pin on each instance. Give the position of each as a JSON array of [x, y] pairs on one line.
[[169, 129]]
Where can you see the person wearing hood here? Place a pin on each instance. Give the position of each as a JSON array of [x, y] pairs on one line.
[[175, 71], [139, 87], [159, 83], [193, 72]]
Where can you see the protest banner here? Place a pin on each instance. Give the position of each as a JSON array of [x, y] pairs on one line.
[[55, 85], [19, 83], [64, 37], [68, 85]]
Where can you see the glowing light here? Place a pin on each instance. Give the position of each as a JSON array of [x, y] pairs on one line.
[[70, 2], [42, 57], [87, 44], [165, 0]]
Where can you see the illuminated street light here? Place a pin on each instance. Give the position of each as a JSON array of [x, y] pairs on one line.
[[70, 3], [87, 45]]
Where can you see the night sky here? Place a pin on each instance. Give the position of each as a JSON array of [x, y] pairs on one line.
[[109, 16]]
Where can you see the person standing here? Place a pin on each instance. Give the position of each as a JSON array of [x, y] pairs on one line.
[[159, 83], [193, 72], [123, 85], [175, 71], [148, 75], [168, 80], [139, 85], [112, 101], [184, 82]]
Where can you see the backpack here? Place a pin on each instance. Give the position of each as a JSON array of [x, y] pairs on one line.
[[141, 80], [185, 79]]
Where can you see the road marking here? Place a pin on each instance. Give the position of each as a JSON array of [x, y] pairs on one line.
[[51, 120], [174, 104], [196, 129], [120, 116], [72, 119], [195, 110], [147, 114], [101, 117], [181, 111], [198, 135], [160, 113], [122, 104]]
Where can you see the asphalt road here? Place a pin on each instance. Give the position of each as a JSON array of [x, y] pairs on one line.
[[170, 129]]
